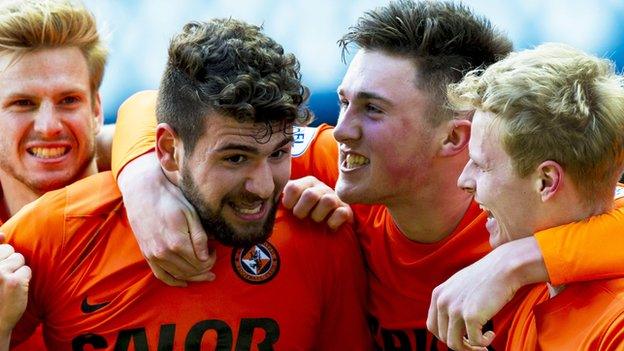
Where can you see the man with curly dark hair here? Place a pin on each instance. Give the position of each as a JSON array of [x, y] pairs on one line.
[[228, 102], [400, 152]]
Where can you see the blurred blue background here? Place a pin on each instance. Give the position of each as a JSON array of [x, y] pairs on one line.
[[138, 33]]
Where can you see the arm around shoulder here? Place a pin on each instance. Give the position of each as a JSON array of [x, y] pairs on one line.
[[135, 131], [586, 250]]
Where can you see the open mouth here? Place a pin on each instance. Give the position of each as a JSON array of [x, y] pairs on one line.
[[353, 161], [488, 212], [250, 211], [48, 152]]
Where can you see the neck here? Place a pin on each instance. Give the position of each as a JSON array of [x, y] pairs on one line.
[[432, 211], [15, 195]]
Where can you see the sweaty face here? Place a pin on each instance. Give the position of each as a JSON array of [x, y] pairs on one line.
[[385, 140], [508, 199], [48, 120], [234, 181]]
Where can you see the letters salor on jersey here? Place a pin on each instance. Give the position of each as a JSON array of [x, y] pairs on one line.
[[303, 289]]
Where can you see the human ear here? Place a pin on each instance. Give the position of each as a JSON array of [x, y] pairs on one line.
[[169, 149], [549, 179], [456, 137]]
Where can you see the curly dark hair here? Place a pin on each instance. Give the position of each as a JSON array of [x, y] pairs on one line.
[[231, 68], [445, 40]]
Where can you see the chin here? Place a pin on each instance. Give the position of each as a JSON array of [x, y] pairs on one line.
[[348, 195]]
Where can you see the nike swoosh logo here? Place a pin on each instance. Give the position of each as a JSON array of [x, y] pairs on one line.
[[86, 307]]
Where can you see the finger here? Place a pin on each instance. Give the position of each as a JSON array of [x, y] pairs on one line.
[[339, 217], [204, 277], [180, 268], [466, 346], [455, 334], [164, 277], [199, 238], [443, 326], [23, 273], [327, 204], [432, 317], [308, 200], [291, 194], [476, 337], [6, 251], [12, 263]]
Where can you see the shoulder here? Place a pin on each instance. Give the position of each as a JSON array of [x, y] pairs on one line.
[[94, 195], [43, 222], [305, 137], [143, 101], [307, 232]]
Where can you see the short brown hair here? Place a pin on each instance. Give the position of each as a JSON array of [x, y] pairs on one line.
[[29, 25], [232, 68], [445, 40], [556, 103]]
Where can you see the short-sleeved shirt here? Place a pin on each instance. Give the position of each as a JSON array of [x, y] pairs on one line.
[[402, 273], [303, 289], [586, 316]]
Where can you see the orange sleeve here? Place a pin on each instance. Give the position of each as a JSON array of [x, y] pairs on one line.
[[587, 250], [315, 152], [135, 131]]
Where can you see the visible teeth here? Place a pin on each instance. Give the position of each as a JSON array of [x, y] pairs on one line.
[[353, 161], [47, 152], [253, 210]]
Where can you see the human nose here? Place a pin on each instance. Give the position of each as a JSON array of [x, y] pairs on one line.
[[260, 181], [466, 179], [47, 120], [348, 126]]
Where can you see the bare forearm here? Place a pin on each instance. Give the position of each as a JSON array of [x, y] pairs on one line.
[[524, 263]]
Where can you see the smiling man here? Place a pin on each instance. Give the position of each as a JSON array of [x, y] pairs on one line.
[[228, 102], [401, 151], [51, 67], [547, 148], [50, 110]]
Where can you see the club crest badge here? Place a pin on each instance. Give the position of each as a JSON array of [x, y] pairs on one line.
[[302, 138], [256, 264]]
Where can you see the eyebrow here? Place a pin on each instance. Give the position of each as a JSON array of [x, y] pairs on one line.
[[366, 95], [251, 149], [26, 95]]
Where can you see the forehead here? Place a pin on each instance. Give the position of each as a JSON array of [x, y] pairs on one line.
[[44, 71], [385, 75], [222, 130], [485, 135]]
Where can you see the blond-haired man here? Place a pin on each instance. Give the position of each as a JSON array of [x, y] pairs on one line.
[[51, 66], [548, 132]]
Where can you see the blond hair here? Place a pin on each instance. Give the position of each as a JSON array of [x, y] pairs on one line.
[[555, 103], [30, 25]]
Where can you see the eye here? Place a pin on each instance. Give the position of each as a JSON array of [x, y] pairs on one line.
[[373, 109], [343, 103], [23, 103], [236, 159], [279, 154], [68, 100]]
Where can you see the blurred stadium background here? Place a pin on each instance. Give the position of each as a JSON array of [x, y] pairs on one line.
[[139, 32]]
